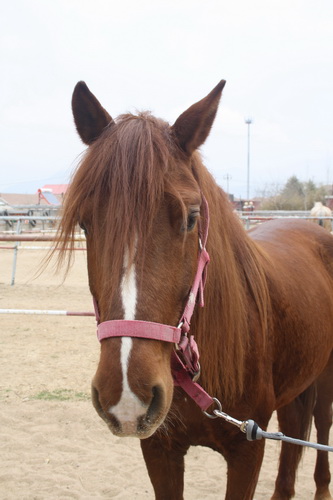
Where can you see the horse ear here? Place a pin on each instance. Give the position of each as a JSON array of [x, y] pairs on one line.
[[89, 116], [193, 126]]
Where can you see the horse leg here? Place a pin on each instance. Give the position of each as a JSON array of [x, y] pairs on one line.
[[165, 464], [323, 422], [294, 421], [244, 460]]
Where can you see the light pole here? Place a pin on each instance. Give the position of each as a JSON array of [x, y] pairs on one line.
[[228, 178], [248, 122]]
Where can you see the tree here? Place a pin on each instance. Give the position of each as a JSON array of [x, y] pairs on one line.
[[292, 195], [313, 193], [295, 195]]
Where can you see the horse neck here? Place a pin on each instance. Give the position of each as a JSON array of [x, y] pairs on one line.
[[236, 300]]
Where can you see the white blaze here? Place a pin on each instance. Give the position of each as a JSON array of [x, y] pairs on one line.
[[129, 406], [128, 290]]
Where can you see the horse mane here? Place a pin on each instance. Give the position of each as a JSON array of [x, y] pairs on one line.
[[236, 286], [136, 157]]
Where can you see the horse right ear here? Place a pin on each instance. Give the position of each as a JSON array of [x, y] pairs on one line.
[[89, 116], [193, 126]]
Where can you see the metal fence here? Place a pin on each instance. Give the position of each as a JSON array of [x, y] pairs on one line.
[[31, 229], [250, 219], [37, 228]]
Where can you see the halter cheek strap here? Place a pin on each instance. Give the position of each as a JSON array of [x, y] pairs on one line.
[[185, 365]]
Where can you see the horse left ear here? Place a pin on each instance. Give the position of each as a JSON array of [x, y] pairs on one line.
[[89, 116], [193, 126]]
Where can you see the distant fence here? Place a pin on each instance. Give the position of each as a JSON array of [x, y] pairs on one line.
[[19, 235], [252, 218], [33, 235], [34, 215]]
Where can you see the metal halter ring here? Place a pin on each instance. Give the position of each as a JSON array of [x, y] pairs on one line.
[[217, 402]]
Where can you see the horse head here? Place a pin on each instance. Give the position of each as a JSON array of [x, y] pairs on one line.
[[137, 196]]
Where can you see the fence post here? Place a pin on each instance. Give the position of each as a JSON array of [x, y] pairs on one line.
[[18, 230]]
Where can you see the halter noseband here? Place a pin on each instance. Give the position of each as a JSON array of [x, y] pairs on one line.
[[185, 365]]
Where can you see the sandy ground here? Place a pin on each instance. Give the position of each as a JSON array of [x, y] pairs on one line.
[[53, 444]]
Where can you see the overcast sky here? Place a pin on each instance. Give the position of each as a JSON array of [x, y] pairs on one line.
[[277, 58]]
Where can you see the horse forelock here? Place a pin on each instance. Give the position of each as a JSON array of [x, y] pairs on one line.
[[120, 185]]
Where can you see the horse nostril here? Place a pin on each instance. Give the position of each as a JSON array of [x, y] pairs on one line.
[[107, 417], [96, 401], [156, 404]]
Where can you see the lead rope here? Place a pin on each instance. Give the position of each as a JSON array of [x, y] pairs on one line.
[[254, 432]]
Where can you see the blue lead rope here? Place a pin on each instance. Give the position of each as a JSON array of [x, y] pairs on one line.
[[254, 432]]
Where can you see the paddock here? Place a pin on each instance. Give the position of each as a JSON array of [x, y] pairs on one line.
[[53, 443]]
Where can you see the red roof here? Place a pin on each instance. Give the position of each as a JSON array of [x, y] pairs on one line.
[[57, 189]]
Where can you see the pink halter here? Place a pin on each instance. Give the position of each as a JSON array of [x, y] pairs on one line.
[[185, 365]]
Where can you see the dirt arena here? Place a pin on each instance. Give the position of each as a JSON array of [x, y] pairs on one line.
[[53, 444]]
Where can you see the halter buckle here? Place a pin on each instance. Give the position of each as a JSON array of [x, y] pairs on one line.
[[219, 409], [196, 375]]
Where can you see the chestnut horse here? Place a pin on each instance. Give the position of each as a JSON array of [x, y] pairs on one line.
[[265, 335]]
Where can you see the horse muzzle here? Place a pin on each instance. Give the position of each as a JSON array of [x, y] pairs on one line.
[[130, 417]]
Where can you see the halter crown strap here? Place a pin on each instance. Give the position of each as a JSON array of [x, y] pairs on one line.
[[196, 290]]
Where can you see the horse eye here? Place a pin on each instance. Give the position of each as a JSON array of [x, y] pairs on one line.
[[191, 220]]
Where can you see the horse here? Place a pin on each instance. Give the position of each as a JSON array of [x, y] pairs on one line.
[[319, 210], [154, 216]]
